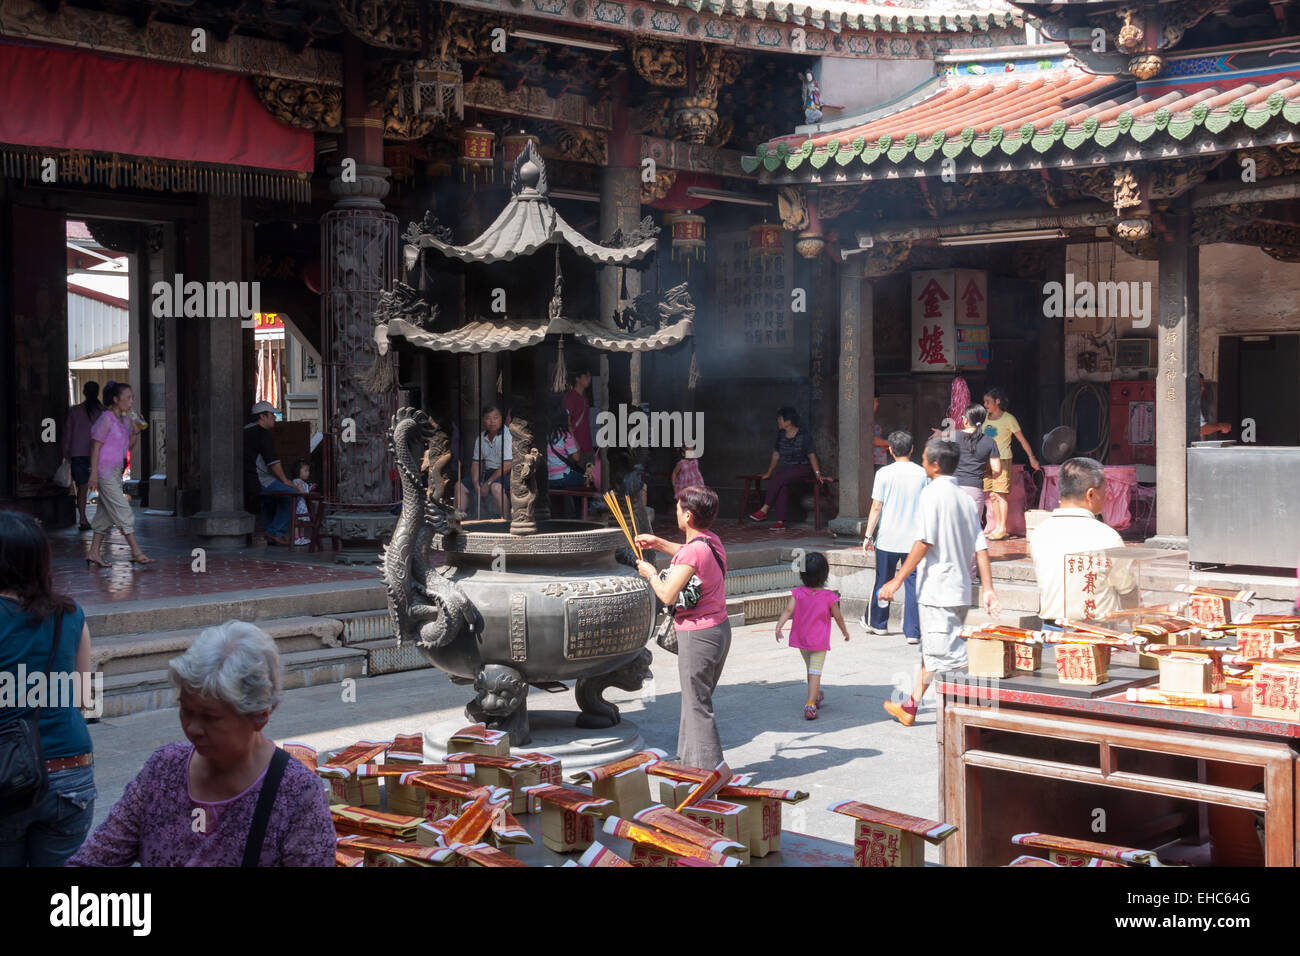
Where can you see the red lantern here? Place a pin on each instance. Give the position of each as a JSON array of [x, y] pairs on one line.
[[476, 151], [765, 239], [688, 235], [513, 145]]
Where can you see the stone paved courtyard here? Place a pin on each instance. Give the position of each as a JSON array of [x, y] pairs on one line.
[[853, 750]]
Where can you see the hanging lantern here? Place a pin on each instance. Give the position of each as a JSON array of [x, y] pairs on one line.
[[688, 236], [765, 239], [476, 151], [437, 91], [513, 145]]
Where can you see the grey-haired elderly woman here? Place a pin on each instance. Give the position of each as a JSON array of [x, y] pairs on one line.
[[196, 804]]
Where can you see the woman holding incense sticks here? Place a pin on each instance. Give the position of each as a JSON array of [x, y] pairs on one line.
[[230, 796], [703, 633]]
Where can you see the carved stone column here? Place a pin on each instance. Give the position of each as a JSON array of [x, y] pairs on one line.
[[1178, 415], [856, 383], [359, 261]]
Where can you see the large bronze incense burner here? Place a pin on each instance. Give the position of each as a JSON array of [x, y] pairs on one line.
[[526, 600]]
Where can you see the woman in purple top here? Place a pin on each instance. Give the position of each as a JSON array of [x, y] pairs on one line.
[[703, 632], [193, 804], [76, 444], [110, 440]]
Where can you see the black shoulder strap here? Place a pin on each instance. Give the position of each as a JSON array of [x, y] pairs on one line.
[[721, 567], [265, 800]]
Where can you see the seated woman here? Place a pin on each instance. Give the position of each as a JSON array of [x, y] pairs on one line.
[[197, 804], [489, 470], [563, 466], [793, 461]]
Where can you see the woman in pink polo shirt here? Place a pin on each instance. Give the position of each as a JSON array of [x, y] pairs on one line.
[[110, 440], [703, 633]]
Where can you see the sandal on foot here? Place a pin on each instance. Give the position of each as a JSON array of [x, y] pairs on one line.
[[821, 696], [143, 559], [810, 712]]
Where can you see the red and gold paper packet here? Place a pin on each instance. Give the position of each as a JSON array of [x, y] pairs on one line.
[[479, 733], [413, 851], [1165, 625], [506, 828], [707, 787], [474, 820], [675, 845], [1000, 632], [934, 831], [349, 821], [349, 855], [639, 759], [1033, 861], [682, 773], [670, 821], [349, 758], [597, 855], [306, 755], [399, 770], [485, 760], [441, 783], [1097, 629], [760, 793], [406, 748], [1101, 851], [482, 854], [549, 769], [569, 798]]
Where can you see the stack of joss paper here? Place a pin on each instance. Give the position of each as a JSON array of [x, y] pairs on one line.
[[884, 838], [338, 769], [693, 791], [664, 837], [623, 782]]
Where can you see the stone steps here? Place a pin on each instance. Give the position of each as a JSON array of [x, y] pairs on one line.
[[139, 691], [124, 654]]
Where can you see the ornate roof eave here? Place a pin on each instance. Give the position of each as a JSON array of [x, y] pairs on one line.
[[510, 336], [528, 223], [1155, 137], [836, 28]]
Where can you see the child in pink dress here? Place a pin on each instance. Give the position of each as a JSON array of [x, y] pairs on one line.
[[812, 607], [686, 473]]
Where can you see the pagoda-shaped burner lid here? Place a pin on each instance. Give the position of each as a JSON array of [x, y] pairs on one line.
[[528, 223]]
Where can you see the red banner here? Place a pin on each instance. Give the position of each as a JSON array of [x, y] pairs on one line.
[[72, 99]]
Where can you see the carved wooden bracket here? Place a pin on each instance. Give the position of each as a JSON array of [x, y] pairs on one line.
[[301, 105], [660, 64], [793, 207], [392, 24], [883, 258]]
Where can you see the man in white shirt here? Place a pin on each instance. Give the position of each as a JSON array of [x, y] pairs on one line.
[[1070, 584], [948, 538], [891, 530], [489, 471]]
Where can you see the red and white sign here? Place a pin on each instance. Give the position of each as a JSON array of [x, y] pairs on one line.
[[934, 325]]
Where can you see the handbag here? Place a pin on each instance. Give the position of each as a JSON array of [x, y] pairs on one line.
[[689, 596], [24, 781]]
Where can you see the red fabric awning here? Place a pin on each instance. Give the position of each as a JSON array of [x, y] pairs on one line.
[[71, 99]]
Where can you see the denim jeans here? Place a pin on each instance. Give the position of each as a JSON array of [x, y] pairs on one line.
[[277, 510], [887, 563], [47, 835]]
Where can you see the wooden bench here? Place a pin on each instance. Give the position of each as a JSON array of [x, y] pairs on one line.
[[756, 481], [582, 494], [311, 524]]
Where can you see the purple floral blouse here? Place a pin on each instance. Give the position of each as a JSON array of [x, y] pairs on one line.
[[154, 822]]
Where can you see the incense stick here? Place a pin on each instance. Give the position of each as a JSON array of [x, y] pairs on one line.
[[612, 502], [632, 515]]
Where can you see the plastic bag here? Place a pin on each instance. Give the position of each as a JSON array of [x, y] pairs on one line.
[[63, 474]]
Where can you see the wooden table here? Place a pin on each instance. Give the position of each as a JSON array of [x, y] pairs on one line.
[[1014, 760]]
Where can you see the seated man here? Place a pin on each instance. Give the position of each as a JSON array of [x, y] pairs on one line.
[[1080, 593], [263, 472]]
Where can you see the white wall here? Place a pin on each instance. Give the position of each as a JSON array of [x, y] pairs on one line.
[[860, 85]]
